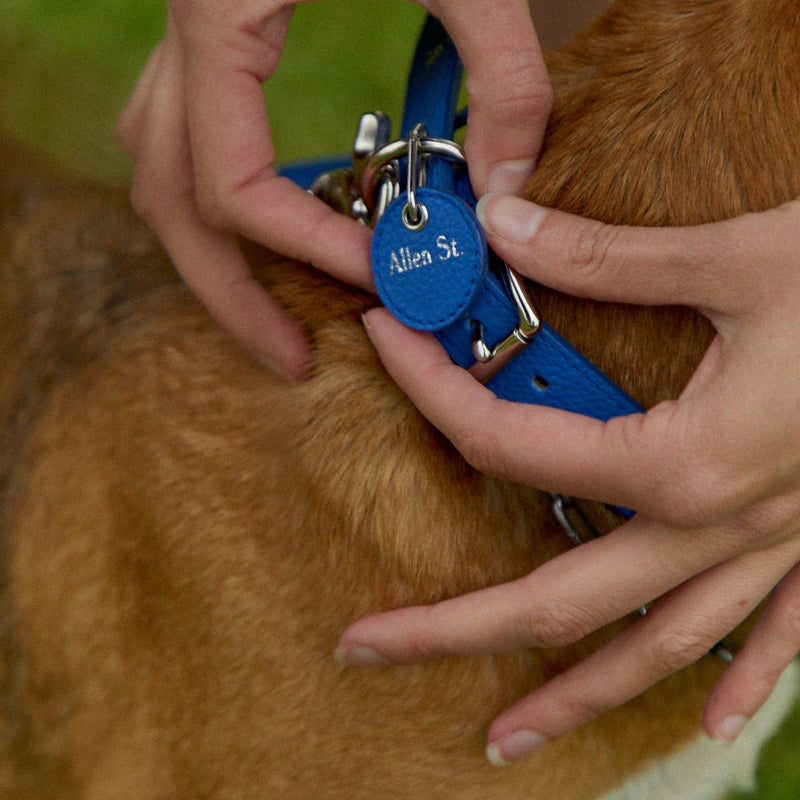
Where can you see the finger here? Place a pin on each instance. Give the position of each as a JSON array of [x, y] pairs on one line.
[[232, 154], [703, 266], [621, 462], [558, 604], [129, 129], [301, 227], [215, 269], [750, 680], [679, 630], [508, 88], [209, 261]]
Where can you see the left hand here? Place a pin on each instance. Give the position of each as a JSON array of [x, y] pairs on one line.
[[714, 476], [197, 128]]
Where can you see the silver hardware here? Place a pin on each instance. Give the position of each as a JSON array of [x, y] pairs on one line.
[[721, 651], [490, 360], [387, 191], [382, 165], [365, 191], [415, 215], [341, 188], [563, 509], [373, 132], [410, 222]]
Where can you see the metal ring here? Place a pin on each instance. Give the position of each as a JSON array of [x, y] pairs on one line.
[[415, 222], [383, 156]]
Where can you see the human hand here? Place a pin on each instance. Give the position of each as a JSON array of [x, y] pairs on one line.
[[197, 128], [714, 477]]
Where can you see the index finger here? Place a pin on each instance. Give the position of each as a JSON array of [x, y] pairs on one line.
[[559, 603], [232, 154], [508, 87]]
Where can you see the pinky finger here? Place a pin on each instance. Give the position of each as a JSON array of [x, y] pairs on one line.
[[753, 675]]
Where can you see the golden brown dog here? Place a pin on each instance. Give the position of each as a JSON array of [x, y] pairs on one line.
[[185, 536]]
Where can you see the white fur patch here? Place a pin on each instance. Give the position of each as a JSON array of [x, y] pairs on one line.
[[708, 770]]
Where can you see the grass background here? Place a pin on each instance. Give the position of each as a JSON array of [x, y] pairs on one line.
[[66, 67]]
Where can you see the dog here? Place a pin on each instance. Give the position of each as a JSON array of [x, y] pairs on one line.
[[185, 536]]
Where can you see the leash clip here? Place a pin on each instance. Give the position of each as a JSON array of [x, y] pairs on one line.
[[341, 188]]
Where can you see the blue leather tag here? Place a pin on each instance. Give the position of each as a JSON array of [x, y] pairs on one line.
[[429, 277]]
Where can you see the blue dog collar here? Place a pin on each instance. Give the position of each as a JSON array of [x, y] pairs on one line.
[[433, 269]]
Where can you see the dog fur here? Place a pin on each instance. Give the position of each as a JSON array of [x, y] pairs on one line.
[[185, 536]]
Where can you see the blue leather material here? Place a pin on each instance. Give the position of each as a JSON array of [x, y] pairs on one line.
[[549, 371], [433, 87], [431, 277], [573, 382], [545, 373]]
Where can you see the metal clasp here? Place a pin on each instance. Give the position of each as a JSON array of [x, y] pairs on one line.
[[379, 179], [341, 188]]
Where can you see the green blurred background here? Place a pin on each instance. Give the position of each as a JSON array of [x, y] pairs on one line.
[[66, 67]]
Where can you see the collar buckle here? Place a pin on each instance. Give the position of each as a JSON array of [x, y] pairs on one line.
[[490, 360]]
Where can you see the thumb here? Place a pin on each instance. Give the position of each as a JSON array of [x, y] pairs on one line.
[[707, 266]]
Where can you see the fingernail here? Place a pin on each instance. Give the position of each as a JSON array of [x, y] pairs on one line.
[[358, 656], [508, 217], [509, 177], [513, 747], [365, 322], [730, 728]]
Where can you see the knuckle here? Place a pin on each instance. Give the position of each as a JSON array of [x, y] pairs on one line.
[[145, 200], [551, 626], [213, 204], [478, 445], [674, 649], [525, 97], [525, 100], [474, 447], [592, 246]]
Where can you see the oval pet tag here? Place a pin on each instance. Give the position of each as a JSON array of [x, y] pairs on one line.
[[429, 271]]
